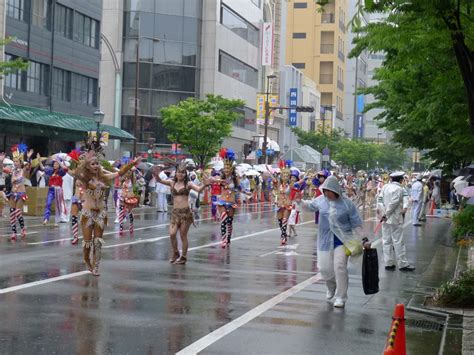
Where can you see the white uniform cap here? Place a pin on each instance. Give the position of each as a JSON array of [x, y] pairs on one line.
[[397, 174]]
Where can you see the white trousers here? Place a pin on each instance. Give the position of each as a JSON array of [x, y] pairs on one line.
[[65, 217], [333, 268], [161, 202], [415, 210], [394, 249]]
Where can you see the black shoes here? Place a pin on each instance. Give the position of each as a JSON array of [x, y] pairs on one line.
[[392, 267], [407, 268]]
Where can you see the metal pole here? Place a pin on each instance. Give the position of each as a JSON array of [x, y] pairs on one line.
[[355, 124], [135, 118], [265, 132]]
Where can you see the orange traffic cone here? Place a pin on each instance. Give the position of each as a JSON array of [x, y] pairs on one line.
[[396, 342], [432, 208]]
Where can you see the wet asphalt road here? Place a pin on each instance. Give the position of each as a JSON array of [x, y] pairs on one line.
[[143, 305]]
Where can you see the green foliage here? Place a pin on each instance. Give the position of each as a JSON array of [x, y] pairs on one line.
[[11, 66], [201, 125], [458, 292], [421, 85], [463, 223], [356, 154]]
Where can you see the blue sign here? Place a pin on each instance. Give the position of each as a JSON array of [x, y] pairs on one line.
[[292, 117], [360, 103], [360, 126]]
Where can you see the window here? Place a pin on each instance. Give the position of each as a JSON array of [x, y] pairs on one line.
[[86, 30], [299, 35], [256, 3], [299, 65], [16, 9], [12, 80], [62, 84], [239, 26], [238, 70], [41, 13], [300, 5], [34, 79], [84, 90], [63, 21]]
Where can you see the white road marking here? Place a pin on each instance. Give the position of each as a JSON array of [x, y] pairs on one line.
[[19, 235], [42, 282], [136, 229], [75, 274], [228, 328]]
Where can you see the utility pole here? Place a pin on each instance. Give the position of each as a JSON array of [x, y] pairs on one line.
[[135, 117], [267, 114]]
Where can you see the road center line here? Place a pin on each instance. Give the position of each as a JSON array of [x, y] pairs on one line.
[[221, 332], [42, 282], [136, 229]]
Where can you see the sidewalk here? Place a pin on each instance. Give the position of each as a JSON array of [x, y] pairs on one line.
[[468, 321]]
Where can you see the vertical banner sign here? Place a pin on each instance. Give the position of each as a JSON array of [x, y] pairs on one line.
[[267, 44], [360, 126], [272, 102], [360, 103], [293, 103]]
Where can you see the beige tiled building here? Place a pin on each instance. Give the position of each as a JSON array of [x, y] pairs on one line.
[[316, 44]]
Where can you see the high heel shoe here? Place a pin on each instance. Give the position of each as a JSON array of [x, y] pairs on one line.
[[174, 257], [181, 261]]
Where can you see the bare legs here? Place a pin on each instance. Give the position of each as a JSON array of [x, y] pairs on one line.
[[183, 233]]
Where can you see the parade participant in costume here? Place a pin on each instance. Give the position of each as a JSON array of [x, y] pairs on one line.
[[321, 176], [282, 189], [215, 192], [76, 200], [296, 196], [94, 214], [17, 195], [129, 198], [181, 214], [55, 191], [227, 202]]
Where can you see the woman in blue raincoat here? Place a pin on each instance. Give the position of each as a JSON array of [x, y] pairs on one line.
[[340, 229]]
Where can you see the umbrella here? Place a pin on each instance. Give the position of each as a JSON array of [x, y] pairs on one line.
[[457, 179], [144, 166], [217, 165], [460, 185], [468, 192], [252, 173], [244, 166]]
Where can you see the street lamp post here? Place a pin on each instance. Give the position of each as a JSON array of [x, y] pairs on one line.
[[267, 114], [98, 119]]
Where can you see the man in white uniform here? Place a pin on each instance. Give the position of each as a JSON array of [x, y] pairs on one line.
[[393, 203], [161, 190], [417, 199]]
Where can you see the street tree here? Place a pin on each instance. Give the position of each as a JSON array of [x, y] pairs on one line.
[[354, 153], [12, 65], [200, 126], [423, 86]]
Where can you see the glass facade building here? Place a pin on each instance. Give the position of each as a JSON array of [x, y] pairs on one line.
[[167, 35]]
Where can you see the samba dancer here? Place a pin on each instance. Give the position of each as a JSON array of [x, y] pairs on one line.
[[181, 214], [17, 195], [227, 202], [94, 214], [282, 189]]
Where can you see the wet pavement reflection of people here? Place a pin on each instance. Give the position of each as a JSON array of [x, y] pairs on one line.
[[87, 321], [177, 305]]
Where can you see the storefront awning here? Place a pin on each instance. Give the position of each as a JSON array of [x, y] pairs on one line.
[[38, 122]]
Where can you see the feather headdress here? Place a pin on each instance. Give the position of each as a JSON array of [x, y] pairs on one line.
[[228, 156]]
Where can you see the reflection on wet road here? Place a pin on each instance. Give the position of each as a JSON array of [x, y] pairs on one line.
[[142, 304]]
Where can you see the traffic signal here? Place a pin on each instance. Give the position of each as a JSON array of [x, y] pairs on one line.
[[304, 109], [247, 149]]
